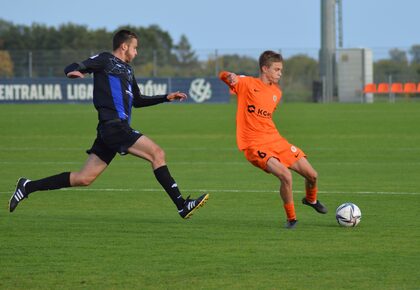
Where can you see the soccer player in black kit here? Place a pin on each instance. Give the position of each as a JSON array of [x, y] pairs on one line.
[[115, 93]]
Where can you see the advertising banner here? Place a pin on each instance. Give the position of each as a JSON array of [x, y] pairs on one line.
[[63, 90]]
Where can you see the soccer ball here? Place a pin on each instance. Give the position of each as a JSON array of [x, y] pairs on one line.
[[348, 215]]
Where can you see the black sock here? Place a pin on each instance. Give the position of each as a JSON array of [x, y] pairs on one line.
[[168, 183], [49, 183]]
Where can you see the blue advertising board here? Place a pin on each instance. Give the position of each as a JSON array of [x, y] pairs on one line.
[[63, 90]]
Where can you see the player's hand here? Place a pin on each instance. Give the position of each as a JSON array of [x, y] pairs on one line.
[[232, 79], [75, 74], [177, 96]]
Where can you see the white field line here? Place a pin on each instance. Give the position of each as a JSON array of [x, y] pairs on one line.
[[237, 191], [233, 191]]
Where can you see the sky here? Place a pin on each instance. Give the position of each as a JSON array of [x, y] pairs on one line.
[[238, 26]]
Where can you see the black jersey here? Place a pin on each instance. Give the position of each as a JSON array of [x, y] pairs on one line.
[[115, 89]]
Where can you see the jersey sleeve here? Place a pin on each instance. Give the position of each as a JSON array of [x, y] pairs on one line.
[[236, 87], [90, 65], [140, 100], [135, 88], [145, 101], [94, 63]]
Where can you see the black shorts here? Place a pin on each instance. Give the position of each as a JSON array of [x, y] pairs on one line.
[[114, 136]]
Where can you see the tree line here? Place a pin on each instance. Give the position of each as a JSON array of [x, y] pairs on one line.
[[399, 66], [51, 48], [45, 50]]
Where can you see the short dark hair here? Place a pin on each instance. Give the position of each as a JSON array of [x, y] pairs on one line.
[[121, 37], [268, 57]]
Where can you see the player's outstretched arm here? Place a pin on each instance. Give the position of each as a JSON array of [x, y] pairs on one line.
[[74, 71], [145, 101], [75, 74], [177, 96], [231, 79]]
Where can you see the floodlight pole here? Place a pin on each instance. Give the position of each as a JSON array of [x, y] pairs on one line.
[[328, 47], [340, 22]]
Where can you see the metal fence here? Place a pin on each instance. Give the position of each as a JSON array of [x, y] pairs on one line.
[[50, 63], [207, 63]]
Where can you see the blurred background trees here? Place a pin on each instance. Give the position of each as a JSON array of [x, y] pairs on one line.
[[43, 51]]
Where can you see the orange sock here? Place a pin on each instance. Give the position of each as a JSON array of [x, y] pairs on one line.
[[311, 194], [290, 211]]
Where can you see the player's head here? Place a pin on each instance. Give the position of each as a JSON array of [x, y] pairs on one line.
[[126, 41], [271, 65]]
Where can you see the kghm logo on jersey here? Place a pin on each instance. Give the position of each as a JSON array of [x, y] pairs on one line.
[[260, 112]]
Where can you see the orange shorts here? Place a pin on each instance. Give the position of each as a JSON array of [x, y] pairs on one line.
[[282, 150]]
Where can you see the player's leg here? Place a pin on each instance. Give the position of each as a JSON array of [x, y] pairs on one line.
[[93, 167], [284, 175], [305, 169], [145, 148], [275, 167]]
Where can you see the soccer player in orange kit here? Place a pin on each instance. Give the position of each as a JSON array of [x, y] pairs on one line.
[[259, 139]]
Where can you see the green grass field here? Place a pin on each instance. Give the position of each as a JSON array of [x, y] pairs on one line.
[[123, 232]]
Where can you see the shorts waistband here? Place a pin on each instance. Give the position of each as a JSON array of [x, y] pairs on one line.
[[112, 121]]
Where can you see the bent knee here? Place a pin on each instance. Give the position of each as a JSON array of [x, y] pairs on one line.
[[158, 155], [86, 181], [285, 177], [312, 177], [82, 180]]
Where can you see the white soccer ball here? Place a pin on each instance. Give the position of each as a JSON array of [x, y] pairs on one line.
[[348, 215]]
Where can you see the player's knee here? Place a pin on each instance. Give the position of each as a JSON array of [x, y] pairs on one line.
[[312, 177], [158, 155], [84, 180], [286, 177]]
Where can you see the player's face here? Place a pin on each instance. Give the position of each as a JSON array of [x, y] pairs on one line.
[[131, 51], [273, 72]]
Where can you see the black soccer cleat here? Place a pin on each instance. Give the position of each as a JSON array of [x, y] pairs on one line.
[[190, 205], [319, 207], [20, 193], [291, 224]]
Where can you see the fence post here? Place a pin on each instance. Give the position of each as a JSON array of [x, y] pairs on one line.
[[154, 63], [391, 94], [216, 63], [30, 64]]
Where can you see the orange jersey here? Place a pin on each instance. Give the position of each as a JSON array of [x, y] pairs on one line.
[[257, 102]]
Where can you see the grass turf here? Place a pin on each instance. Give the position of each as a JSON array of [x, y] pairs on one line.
[[124, 233]]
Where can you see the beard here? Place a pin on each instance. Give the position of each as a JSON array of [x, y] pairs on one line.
[[128, 57]]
